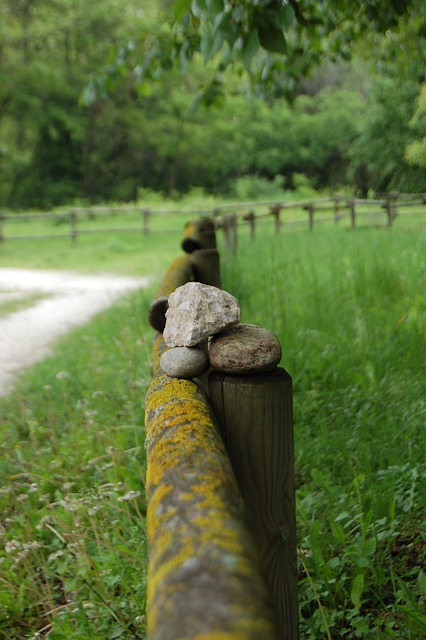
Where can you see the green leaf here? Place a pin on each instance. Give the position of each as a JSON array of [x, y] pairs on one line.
[[214, 7], [180, 7], [368, 547], [337, 530], [284, 17], [224, 26], [421, 580], [333, 563], [199, 8], [211, 43], [250, 47], [272, 39], [357, 590]]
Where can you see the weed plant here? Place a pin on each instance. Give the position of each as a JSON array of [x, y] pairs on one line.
[[350, 311]]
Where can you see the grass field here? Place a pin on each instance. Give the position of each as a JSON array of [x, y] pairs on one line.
[[350, 311]]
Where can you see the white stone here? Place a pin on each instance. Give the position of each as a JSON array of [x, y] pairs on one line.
[[184, 362], [197, 311]]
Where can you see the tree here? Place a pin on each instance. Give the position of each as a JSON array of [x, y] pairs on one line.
[[48, 143], [415, 152], [298, 33]]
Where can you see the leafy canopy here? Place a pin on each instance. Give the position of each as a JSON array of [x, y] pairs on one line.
[[264, 37]]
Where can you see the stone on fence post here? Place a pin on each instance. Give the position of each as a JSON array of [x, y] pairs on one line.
[[255, 415]]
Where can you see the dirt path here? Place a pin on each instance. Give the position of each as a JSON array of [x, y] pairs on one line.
[[71, 300]]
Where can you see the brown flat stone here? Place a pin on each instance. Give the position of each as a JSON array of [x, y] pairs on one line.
[[246, 348]]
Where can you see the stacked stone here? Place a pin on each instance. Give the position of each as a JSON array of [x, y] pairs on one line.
[[203, 329]]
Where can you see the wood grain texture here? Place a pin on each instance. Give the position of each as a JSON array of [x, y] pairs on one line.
[[199, 234], [206, 266], [204, 577], [255, 414], [179, 273]]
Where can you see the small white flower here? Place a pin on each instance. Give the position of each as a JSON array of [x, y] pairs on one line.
[[130, 495], [62, 375], [11, 546], [90, 413]]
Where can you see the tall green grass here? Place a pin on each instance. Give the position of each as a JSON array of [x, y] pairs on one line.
[[350, 311]]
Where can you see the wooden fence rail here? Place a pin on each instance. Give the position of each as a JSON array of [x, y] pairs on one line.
[[384, 211], [220, 490]]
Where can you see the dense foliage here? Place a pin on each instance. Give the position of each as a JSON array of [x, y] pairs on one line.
[[82, 117]]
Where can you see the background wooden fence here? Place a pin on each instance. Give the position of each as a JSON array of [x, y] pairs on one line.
[[220, 489], [353, 212]]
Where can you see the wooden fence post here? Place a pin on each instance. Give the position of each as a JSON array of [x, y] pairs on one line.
[[310, 209], [275, 212], [230, 232], [391, 209], [180, 272], [351, 206], [255, 414], [145, 214], [73, 221], [206, 266], [204, 579], [199, 234], [1, 226], [336, 208], [251, 219]]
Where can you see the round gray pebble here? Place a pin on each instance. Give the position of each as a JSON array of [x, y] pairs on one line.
[[184, 362], [246, 348]]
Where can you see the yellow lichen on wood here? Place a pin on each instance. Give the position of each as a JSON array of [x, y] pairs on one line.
[[203, 577], [199, 234]]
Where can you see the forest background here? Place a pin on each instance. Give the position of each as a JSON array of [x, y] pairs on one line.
[[81, 124]]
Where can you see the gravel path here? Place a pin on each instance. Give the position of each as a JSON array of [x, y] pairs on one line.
[[71, 300]]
